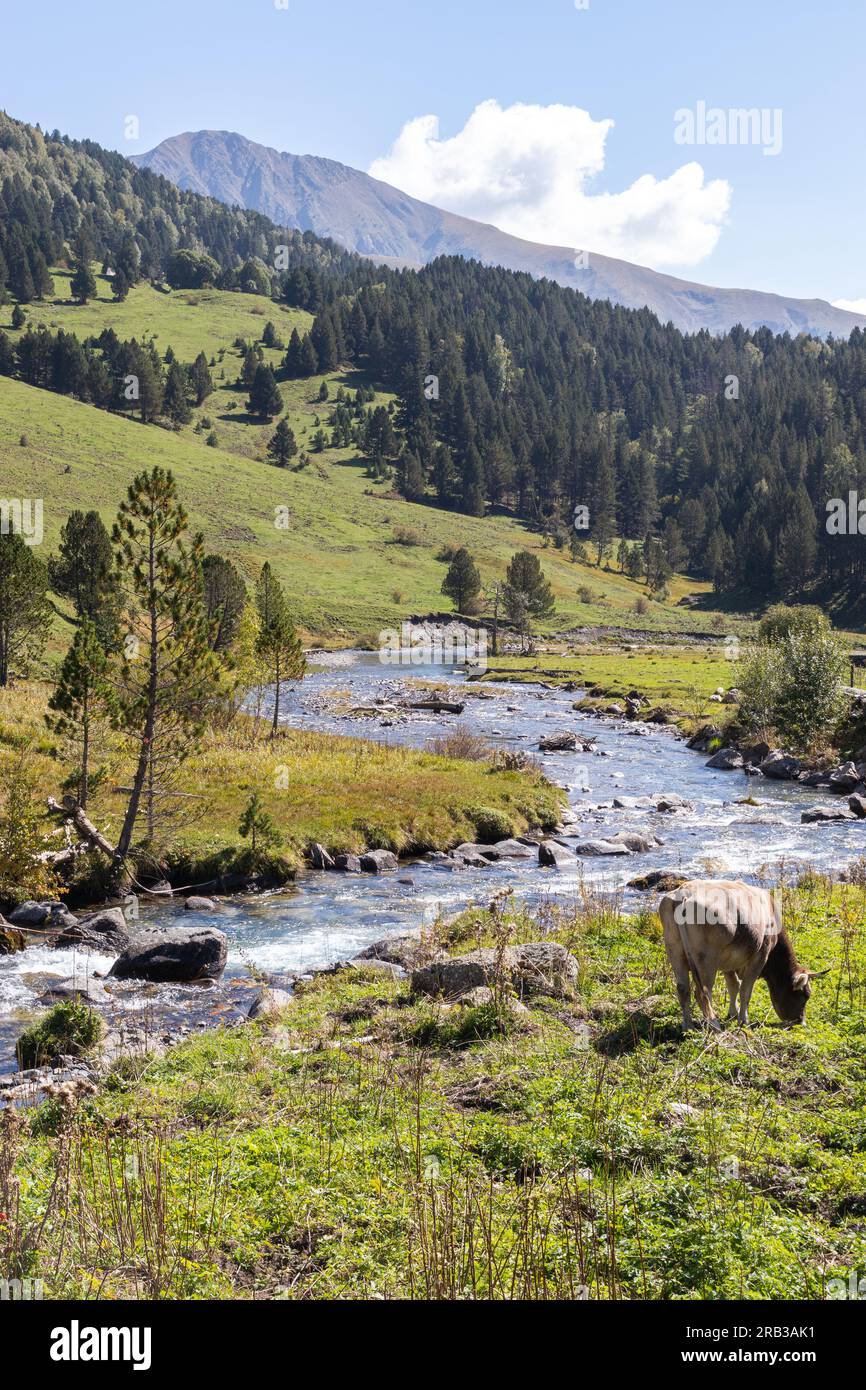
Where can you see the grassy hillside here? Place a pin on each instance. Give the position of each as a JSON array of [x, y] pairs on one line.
[[345, 557]]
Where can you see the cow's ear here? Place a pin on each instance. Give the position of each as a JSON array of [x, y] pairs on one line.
[[801, 979]]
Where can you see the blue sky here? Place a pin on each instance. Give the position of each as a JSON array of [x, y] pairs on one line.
[[343, 80]]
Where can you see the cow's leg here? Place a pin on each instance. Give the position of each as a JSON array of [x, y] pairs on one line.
[[680, 966], [706, 980], [732, 980], [750, 979]]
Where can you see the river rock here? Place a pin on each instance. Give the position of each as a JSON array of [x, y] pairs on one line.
[[81, 988], [858, 805], [659, 879], [173, 954], [818, 815], [469, 857], [347, 863], [379, 861], [672, 803], [540, 967], [319, 857], [194, 904], [552, 855], [782, 767], [515, 849], [30, 914], [269, 1001], [727, 760], [845, 779], [636, 844], [599, 848], [406, 951], [815, 779], [105, 931], [701, 740]]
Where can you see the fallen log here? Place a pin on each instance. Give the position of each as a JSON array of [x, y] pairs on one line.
[[70, 810], [435, 706]]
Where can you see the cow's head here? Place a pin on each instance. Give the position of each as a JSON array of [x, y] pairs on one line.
[[790, 986]]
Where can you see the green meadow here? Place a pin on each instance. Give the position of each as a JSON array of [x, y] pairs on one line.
[[355, 556]]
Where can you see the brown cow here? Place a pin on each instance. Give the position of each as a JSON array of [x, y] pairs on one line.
[[712, 926]]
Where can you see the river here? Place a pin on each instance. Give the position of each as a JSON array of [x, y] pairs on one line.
[[326, 917]]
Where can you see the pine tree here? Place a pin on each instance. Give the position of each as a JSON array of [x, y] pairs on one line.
[[82, 286], [462, 583], [175, 400], [83, 571], [258, 825], [277, 642], [169, 677], [527, 593], [282, 446], [25, 612], [225, 597], [602, 507], [265, 399], [200, 379], [82, 695]]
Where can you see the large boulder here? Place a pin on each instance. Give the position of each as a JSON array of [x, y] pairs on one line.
[[105, 931], [552, 855], [844, 779], [781, 767], [636, 844], [541, 967], [30, 914], [379, 861], [858, 805], [406, 951], [819, 815], [470, 857], [727, 760], [515, 849], [348, 863], [179, 954]]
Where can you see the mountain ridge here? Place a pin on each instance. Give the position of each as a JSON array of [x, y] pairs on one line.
[[376, 220]]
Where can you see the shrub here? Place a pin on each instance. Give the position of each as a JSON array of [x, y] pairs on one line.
[[490, 825], [406, 535], [67, 1030], [462, 743]]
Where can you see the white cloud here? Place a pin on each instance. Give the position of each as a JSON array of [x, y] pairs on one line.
[[526, 169], [856, 306]]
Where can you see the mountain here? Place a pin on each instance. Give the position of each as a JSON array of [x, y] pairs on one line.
[[378, 221]]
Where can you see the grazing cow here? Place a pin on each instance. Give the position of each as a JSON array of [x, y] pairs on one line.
[[712, 926]]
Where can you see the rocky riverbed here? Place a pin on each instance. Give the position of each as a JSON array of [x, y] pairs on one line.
[[643, 809]]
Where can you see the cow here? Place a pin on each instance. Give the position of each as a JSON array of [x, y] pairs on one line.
[[711, 926]]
